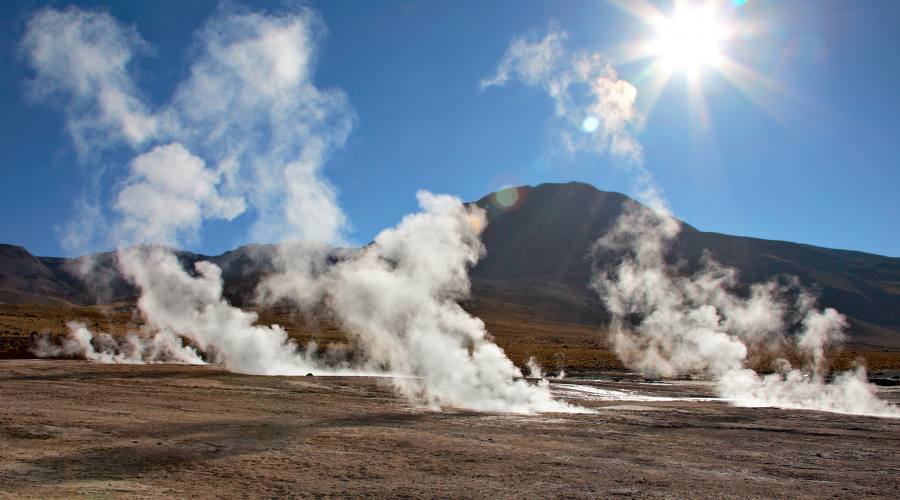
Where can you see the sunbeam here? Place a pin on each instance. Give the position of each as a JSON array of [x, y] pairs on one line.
[[691, 41]]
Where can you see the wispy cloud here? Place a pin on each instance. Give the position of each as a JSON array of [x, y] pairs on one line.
[[595, 107], [84, 58]]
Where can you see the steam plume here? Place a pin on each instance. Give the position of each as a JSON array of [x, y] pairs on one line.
[[666, 324], [534, 368], [248, 131], [594, 108], [132, 349], [399, 300], [84, 57]]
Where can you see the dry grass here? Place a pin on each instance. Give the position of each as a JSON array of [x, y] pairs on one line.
[[521, 334]]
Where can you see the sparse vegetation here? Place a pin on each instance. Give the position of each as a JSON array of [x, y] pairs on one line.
[[519, 333]]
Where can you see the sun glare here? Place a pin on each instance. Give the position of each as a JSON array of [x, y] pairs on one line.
[[694, 39], [689, 40]]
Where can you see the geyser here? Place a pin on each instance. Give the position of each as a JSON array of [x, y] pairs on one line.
[[249, 131], [666, 323]]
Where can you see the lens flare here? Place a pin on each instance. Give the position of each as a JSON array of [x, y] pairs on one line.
[[507, 197]]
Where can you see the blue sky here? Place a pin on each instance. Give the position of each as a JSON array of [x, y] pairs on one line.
[[812, 159]]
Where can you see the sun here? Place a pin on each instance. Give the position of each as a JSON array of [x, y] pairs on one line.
[[697, 41], [690, 39]]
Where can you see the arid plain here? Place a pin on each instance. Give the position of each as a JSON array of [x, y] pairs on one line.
[[70, 428]]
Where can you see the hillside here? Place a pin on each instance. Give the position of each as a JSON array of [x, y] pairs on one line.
[[536, 270]]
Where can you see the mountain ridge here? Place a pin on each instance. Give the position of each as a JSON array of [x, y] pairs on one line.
[[538, 244]]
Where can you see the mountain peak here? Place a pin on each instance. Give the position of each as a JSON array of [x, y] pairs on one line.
[[571, 188], [546, 229]]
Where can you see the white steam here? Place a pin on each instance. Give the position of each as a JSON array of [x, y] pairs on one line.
[[534, 368], [162, 347], [252, 108], [398, 299], [668, 324], [248, 131], [594, 107], [193, 307], [167, 195], [246, 126], [83, 57], [665, 323], [532, 62]]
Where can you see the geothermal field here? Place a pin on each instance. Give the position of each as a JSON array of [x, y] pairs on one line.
[[265, 249]]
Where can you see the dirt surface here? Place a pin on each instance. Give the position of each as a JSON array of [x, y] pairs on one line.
[[71, 429]]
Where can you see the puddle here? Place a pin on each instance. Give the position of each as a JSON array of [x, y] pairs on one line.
[[591, 393]]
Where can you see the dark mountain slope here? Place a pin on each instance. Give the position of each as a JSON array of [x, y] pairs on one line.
[[539, 246], [548, 230], [24, 278], [865, 289]]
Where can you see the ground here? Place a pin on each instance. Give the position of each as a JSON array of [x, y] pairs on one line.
[[71, 428]]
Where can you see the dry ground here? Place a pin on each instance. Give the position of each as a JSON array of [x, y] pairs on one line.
[[74, 429]]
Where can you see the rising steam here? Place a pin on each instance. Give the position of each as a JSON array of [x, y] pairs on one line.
[[665, 323], [398, 299], [163, 347], [594, 108], [247, 134], [249, 131]]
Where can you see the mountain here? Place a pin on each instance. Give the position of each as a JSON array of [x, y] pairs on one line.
[[538, 264], [539, 241], [24, 278]]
